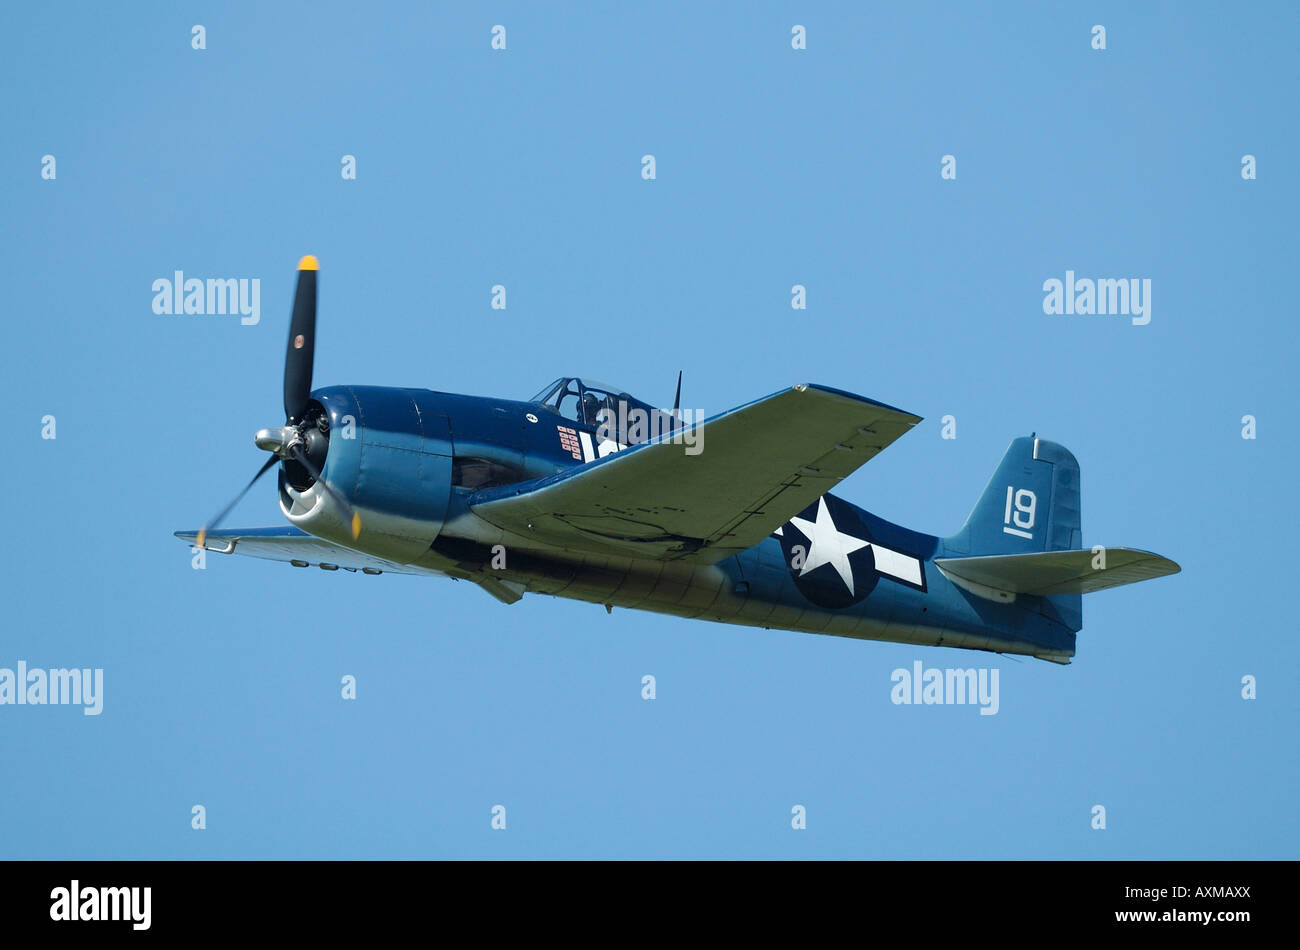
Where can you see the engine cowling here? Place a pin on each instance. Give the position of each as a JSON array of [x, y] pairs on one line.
[[389, 453]]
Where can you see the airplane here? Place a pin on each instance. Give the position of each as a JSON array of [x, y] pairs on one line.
[[729, 518]]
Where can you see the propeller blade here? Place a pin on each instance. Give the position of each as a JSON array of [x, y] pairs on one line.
[[302, 343], [677, 400], [212, 525], [354, 519]]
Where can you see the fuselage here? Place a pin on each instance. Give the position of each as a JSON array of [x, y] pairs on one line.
[[412, 460]]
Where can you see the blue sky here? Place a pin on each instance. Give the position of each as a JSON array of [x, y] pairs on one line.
[[775, 167]]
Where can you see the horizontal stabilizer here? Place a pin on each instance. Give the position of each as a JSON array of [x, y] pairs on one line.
[[1057, 572]]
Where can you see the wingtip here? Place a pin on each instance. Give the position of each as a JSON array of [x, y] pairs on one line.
[[1167, 564]]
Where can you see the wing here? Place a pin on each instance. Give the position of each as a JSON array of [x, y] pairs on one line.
[[304, 550], [298, 548], [757, 466]]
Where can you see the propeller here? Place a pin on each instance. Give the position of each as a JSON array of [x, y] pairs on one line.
[[203, 532], [302, 343], [300, 438]]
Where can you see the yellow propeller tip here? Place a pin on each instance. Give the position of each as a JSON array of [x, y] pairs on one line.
[[202, 535], [308, 263], [356, 525]]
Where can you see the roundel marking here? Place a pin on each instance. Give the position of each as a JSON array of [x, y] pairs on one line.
[[829, 554]]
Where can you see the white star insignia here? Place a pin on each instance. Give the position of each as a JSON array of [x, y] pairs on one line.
[[828, 545]]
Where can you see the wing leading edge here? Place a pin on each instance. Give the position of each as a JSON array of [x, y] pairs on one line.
[[758, 466], [297, 547], [300, 549]]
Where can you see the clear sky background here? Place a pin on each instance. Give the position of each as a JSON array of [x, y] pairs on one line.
[[775, 167]]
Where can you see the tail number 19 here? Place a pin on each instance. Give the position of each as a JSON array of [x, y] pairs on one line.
[[1022, 505]]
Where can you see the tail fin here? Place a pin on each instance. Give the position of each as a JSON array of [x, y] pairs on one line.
[[1030, 504], [1030, 509]]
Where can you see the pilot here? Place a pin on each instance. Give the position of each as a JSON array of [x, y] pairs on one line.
[[590, 408]]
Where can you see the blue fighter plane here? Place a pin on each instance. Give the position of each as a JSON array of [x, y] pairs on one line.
[[588, 493]]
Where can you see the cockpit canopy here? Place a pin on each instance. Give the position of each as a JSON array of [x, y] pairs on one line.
[[592, 403]]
